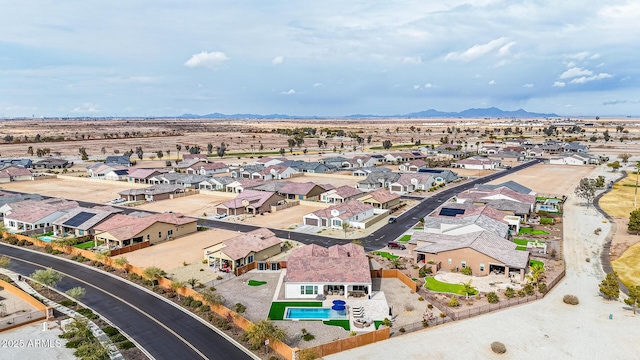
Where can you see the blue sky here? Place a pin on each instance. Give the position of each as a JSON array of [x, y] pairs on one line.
[[328, 58]]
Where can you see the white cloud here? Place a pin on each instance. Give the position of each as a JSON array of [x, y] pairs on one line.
[[412, 60], [492, 82], [504, 50], [575, 72], [528, 85], [288, 92], [86, 108], [579, 56], [594, 56], [600, 65], [211, 60], [558, 84], [428, 85], [586, 79], [416, 87], [570, 64], [318, 84], [277, 60], [477, 51]]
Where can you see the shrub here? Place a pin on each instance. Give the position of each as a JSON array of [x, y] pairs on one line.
[[48, 249], [68, 303], [529, 289], [597, 231], [212, 288], [509, 293], [308, 337], [430, 306], [492, 298], [542, 288], [425, 323], [171, 295], [56, 252], [454, 302], [73, 344], [386, 322], [588, 259], [21, 242], [240, 308], [420, 298], [205, 308], [570, 299], [521, 293], [117, 338], [553, 253], [87, 313], [125, 345], [467, 271], [186, 301], [546, 221], [133, 277], [498, 347], [218, 277], [195, 303], [111, 331], [402, 330]]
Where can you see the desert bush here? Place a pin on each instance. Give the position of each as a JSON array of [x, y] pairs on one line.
[[420, 298], [588, 259], [240, 308], [386, 322], [402, 330], [409, 307], [21, 242], [186, 301], [205, 308], [48, 249], [126, 345], [308, 337], [597, 231], [68, 303], [498, 347], [509, 293], [425, 323], [195, 303], [454, 302], [492, 298], [56, 252], [307, 354], [117, 338], [467, 271], [529, 289], [553, 253], [110, 331], [570, 299], [542, 288], [521, 293]]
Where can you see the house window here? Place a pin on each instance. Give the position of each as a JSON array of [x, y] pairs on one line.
[[249, 259], [148, 237], [481, 267], [337, 223], [308, 290], [159, 234], [169, 232], [464, 264], [449, 261]]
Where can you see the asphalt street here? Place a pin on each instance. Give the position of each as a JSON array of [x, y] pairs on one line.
[[137, 313]]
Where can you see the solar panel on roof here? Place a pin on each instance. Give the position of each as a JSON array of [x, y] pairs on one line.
[[79, 219], [451, 212]]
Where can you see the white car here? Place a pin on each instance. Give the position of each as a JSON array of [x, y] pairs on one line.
[[220, 216], [118, 200]]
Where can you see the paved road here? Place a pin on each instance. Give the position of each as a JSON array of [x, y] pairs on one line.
[[155, 324]]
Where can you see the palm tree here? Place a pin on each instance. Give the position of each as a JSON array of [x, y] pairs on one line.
[[122, 262], [262, 331], [345, 226], [536, 273], [396, 263], [175, 285], [178, 147], [153, 273], [468, 288], [192, 282]]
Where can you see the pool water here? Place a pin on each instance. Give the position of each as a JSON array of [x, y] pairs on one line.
[[547, 208], [314, 313], [46, 238]]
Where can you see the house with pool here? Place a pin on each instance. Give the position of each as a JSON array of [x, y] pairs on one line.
[[341, 270]]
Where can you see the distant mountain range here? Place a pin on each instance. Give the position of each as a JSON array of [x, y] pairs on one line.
[[491, 112]]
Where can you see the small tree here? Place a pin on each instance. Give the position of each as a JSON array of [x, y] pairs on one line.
[[586, 190], [212, 297], [624, 157], [175, 285], [535, 274], [122, 262], [47, 277], [345, 227], [387, 144], [634, 297], [609, 287], [76, 292], [614, 165], [634, 222], [263, 330], [153, 273], [192, 282], [468, 288]]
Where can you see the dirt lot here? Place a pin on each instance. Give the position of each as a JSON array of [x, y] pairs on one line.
[[195, 205], [324, 179], [171, 254], [283, 219], [98, 191], [548, 179], [619, 201]]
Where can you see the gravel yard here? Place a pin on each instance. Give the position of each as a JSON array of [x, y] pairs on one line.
[[549, 179], [194, 205]]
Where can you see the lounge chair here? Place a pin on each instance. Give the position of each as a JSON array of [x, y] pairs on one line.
[[357, 308], [358, 314]]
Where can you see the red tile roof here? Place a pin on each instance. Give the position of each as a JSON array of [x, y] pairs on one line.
[[255, 241], [346, 210], [298, 188], [254, 197], [340, 264], [381, 195]]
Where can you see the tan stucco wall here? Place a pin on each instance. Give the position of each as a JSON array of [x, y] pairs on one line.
[[267, 253], [472, 258], [153, 230]]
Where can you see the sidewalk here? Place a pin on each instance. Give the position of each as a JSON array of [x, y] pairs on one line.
[[114, 353]]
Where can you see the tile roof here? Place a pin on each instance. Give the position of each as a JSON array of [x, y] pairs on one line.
[[254, 197], [483, 242], [213, 166], [338, 264], [345, 210], [98, 215], [470, 210], [123, 227], [380, 195], [154, 190], [380, 178], [345, 191], [508, 184], [30, 211], [475, 160], [419, 179], [446, 224], [505, 191], [240, 246], [297, 188], [143, 173], [14, 171]]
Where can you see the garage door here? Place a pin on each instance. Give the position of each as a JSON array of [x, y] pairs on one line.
[[311, 221], [221, 210]]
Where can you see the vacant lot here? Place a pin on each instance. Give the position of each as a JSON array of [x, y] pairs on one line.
[[619, 201], [627, 266], [283, 219], [171, 254], [548, 179], [98, 191], [333, 179], [193, 205]]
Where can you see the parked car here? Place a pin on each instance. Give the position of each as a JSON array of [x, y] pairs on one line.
[[396, 245], [392, 220], [219, 216], [118, 200]]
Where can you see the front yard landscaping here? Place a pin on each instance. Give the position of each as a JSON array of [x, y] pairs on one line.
[[85, 245], [256, 283], [439, 286], [531, 231], [342, 323], [386, 255], [534, 262], [405, 238], [277, 308]]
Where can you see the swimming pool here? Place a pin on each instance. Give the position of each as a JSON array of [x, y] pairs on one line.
[[46, 238], [314, 313], [549, 208]]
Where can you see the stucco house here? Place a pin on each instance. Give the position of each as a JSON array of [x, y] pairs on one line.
[[482, 251], [313, 270], [14, 173], [218, 183], [81, 221], [410, 182], [208, 169], [301, 191], [152, 193], [123, 230], [250, 202], [353, 212], [377, 180], [32, 214], [465, 224], [142, 176], [413, 165], [244, 249], [368, 170], [380, 199], [476, 163], [340, 194]]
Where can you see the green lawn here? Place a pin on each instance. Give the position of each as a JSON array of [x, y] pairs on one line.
[[531, 231], [543, 199], [277, 308], [521, 247], [85, 245], [342, 323], [418, 228], [405, 238], [435, 285], [385, 254], [256, 283], [533, 262]]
